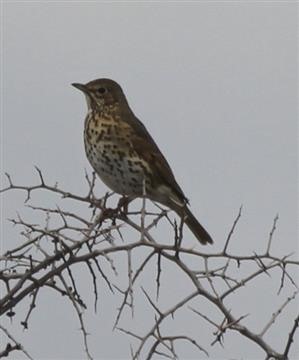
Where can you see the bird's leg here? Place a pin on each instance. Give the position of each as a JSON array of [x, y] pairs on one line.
[[109, 213], [123, 204], [106, 213], [179, 230]]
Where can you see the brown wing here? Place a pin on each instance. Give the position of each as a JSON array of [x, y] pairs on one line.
[[146, 147]]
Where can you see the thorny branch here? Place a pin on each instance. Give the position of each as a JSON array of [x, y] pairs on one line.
[[9, 348], [46, 256]]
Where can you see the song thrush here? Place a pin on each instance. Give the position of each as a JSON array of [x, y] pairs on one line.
[[125, 156]]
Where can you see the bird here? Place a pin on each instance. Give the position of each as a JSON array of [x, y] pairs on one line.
[[124, 155]]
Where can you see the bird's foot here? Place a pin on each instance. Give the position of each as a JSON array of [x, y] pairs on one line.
[[107, 213]]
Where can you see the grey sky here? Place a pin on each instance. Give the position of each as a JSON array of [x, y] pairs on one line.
[[215, 83]]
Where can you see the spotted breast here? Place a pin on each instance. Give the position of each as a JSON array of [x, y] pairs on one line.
[[109, 151]]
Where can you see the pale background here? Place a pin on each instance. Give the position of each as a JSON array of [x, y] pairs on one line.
[[215, 83]]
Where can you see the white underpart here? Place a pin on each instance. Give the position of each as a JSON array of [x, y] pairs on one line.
[[166, 190]]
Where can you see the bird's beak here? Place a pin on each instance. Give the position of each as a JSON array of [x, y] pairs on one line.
[[81, 87]]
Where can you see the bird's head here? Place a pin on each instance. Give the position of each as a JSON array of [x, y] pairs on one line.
[[102, 93]]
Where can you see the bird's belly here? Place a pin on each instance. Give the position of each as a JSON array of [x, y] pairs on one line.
[[122, 171]]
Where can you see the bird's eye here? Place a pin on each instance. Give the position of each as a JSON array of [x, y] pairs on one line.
[[101, 90]]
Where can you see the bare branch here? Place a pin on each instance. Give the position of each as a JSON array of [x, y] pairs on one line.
[[80, 316], [271, 234], [10, 348], [291, 338], [49, 251], [277, 313]]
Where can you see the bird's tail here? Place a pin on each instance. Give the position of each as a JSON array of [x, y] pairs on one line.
[[197, 229], [176, 203]]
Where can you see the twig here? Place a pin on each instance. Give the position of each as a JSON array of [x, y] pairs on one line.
[[80, 316], [18, 346], [232, 230], [291, 337], [277, 313], [271, 234]]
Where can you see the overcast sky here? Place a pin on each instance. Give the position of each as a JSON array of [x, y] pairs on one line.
[[215, 83]]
